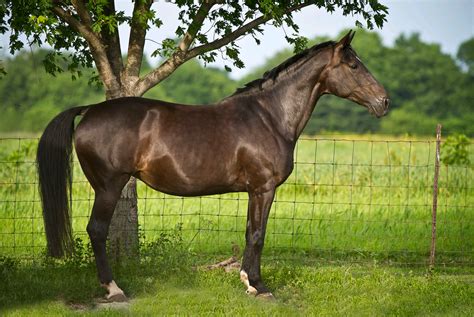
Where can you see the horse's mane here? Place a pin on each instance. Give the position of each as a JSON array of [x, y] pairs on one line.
[[273, 73]]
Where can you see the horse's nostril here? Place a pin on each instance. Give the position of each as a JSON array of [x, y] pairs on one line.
[[386, 103]]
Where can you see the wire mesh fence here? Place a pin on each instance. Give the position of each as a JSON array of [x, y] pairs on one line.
[[347, 199]]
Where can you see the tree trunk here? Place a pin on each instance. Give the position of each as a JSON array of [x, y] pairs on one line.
[[123, 230]]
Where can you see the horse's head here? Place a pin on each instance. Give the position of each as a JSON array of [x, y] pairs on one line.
[[347, 77]]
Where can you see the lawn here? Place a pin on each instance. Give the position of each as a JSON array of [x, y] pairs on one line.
[[300, 289]]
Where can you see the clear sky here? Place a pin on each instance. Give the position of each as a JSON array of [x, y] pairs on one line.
[[447, 22]]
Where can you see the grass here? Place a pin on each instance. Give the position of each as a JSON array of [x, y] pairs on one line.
[[52, 289]]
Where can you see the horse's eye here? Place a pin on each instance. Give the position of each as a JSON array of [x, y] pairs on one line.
[[353, 66]]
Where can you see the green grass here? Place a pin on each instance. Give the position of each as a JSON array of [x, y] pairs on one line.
[[52, 289]]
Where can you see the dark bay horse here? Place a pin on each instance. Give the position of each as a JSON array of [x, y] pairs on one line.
[[244, 143]]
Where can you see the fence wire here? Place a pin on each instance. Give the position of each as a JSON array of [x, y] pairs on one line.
[[346, 200]]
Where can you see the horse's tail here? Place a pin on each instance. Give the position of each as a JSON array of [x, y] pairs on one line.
[[54, 159]]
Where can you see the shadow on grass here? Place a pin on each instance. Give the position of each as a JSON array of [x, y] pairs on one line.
[[74, 282], [25, 284]]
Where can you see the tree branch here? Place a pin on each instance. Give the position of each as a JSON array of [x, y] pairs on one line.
[[161, 72], [97, 49], [238, 32], [195, 25], [111, 42], [136, 43], [81, 9], [180, 57]]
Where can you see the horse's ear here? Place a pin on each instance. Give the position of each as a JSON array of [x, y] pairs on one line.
[[346, 40]]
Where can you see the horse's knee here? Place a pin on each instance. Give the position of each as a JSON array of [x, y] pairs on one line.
[[97, 231]]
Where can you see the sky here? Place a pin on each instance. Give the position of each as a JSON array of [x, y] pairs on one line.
[[447, 22]]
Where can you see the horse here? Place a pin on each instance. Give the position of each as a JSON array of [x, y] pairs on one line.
[[243, 143]]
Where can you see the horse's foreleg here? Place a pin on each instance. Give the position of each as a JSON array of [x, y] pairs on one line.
[[98, 229], [257, 216]]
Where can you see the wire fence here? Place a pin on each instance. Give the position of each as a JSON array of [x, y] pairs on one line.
[[346, 200]]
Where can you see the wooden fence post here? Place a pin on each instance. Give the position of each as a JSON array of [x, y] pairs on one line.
[[435, 197]]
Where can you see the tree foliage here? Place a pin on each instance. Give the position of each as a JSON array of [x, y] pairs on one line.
[[466, 55], [88, 31]]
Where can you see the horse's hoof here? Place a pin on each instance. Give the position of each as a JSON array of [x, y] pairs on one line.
[[266, 296], [117, 298], [252, 291]]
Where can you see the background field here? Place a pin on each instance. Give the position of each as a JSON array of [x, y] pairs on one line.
[[349, 199]]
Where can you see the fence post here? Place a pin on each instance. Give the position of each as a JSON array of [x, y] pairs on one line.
[[435, 197]]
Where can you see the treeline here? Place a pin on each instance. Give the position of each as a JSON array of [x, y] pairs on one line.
[[31, 97], [426, 86]]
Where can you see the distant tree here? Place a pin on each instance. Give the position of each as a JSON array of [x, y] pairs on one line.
[[191, 84], [31, 97], [426, 85], [466, 55]]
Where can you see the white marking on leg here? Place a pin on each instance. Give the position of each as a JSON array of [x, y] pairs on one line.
[[113, 289], [245, 279]]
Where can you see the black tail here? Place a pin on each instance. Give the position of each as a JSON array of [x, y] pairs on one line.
[[55, 180]]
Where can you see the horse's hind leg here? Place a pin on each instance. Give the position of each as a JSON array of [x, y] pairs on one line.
[[104, 204]]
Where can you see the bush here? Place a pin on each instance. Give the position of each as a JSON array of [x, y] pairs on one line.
[[455, 150]]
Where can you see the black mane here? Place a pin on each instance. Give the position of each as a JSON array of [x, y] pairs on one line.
[[273, 73]]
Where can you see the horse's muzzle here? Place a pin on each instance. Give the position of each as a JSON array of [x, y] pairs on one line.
[[381, 109]]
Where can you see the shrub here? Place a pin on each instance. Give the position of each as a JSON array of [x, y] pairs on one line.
[[455, 150]]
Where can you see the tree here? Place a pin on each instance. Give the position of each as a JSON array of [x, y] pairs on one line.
[[427, 86], [466, 55], [89, 30]]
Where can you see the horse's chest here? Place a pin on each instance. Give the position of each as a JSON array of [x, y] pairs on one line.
[[266, 168]]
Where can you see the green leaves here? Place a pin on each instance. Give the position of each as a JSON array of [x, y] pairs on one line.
[[40, 22], [168, 47], [299, 43], [466, 55], [455, 150]]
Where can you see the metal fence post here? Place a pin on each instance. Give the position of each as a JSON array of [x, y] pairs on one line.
[[435, 197]]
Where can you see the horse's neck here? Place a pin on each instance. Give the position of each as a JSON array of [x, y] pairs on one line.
[[293, 96]]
